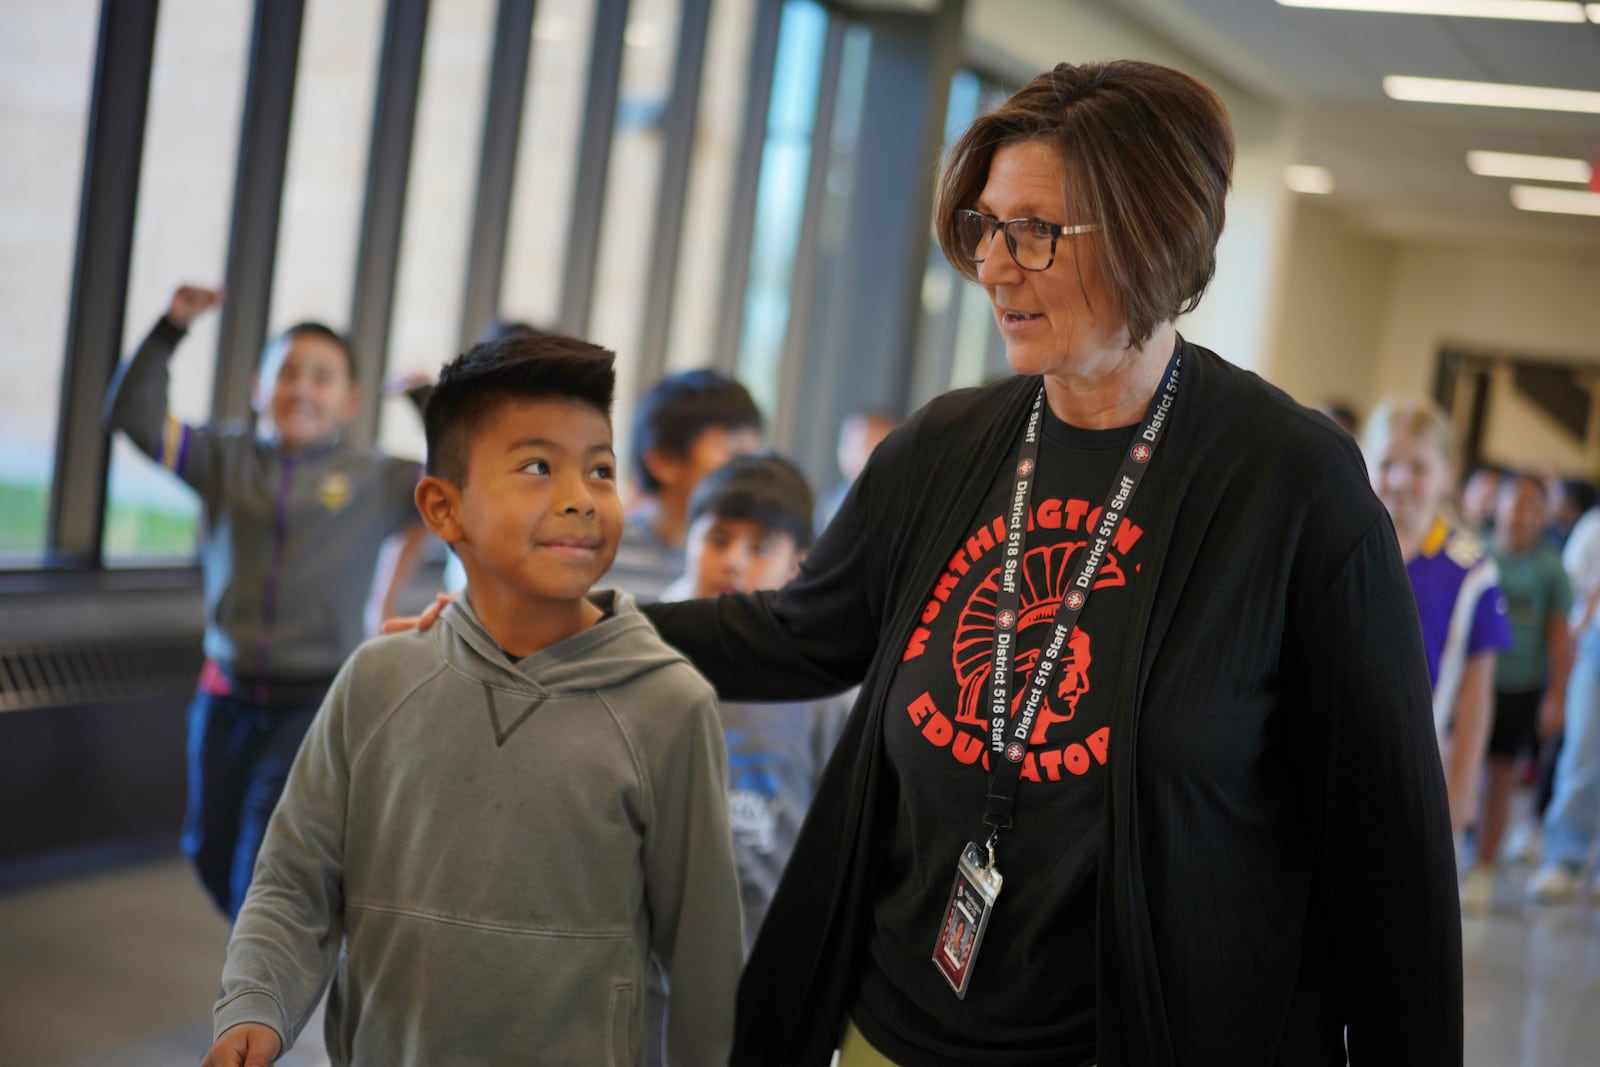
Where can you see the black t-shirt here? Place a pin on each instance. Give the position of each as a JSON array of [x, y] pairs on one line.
[[1031, 999]]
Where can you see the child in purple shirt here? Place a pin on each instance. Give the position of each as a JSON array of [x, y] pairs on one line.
[[1410, 448]]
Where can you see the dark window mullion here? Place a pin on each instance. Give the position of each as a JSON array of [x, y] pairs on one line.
[[497, 164], [875, 304], [112, 159], [747, 181], [394, 121], [678, 136], [257, 201], [804, 283], [594, 160]]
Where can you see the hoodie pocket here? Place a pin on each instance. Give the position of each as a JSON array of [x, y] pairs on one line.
[[621, 1018]]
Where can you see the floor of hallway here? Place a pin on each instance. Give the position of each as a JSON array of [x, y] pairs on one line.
[[119, 968]]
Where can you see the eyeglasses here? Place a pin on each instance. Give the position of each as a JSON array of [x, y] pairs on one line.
[[1032, 241]]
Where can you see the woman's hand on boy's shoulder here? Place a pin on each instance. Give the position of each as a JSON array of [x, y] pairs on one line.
[[189, 302], [401, 623]]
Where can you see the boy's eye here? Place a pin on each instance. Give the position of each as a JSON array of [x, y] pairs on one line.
[[536, 466], [604, 471]]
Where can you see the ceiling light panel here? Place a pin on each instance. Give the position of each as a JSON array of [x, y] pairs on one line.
[[1531, 168], [1560, 201], [1524, 10], [1491, 94], [1303, 178]]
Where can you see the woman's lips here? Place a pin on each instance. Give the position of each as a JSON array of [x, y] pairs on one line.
[[1018, 319]]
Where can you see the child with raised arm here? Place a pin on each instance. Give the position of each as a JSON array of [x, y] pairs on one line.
[[493, 824], [295, 517]]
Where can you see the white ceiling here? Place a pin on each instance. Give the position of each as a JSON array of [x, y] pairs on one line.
[[1400, 168]]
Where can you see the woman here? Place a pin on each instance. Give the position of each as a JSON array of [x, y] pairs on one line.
[[1230, 841], [1410, 451], [1231, 838]]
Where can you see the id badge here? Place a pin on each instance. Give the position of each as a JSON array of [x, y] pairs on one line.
[[966, 917]]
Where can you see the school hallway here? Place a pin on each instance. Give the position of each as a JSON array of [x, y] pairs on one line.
[[118, 968]]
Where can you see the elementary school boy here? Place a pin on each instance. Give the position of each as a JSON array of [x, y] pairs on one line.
[[684, 427], [295, 517], [750, 525], [494, 823]]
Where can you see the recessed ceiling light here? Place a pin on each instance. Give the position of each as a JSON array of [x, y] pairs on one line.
[[1534, 168], [1560, 201], [1308, 179], [1491, 94], [1529, 10], [1594, 12]]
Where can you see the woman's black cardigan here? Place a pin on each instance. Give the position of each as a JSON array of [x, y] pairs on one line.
[[1276, 861]]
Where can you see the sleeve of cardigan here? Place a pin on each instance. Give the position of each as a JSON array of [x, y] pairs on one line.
[[1356, 674], [816, 636]]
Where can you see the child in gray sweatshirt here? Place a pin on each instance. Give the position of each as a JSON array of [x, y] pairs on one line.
[[296, 514], [494, 824]]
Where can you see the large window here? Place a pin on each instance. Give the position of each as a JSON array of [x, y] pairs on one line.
[[547, 152], [711, 182], [781, 197], [47, 50], [634, 172], [958, 343], [439, 200], [180, 236], [325, 173]]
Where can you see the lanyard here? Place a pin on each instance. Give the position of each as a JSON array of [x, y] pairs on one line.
[[1008, 737]]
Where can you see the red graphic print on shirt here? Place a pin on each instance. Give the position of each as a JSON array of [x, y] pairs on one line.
[[953, 712]]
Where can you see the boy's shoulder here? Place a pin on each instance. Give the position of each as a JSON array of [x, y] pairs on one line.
[[385, 670], [658, 678]]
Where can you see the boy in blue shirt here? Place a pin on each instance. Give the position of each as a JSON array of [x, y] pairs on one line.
[[750, 525], [294, 520], [494, 824]]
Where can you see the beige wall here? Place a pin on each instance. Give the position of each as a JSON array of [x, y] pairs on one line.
[[1522, 302], [1330, 315], [1361, 317]]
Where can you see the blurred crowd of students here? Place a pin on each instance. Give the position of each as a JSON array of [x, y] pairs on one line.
[[1505, 569]]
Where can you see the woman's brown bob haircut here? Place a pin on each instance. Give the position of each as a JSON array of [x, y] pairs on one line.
[[1148, 153]]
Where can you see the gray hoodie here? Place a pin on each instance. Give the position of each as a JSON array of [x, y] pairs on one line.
[[497, 847]]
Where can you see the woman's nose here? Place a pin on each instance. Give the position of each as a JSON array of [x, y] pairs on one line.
[[997, 267]]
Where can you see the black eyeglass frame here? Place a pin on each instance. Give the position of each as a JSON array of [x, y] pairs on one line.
[[1057, 231]]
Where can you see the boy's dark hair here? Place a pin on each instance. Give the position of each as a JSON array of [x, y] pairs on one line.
[[681, 407], [765, 489], [1511, 479], [471, 386], [1579, 493], [326, 333]]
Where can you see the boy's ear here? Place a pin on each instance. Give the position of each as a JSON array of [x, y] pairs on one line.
[[439, 504]]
